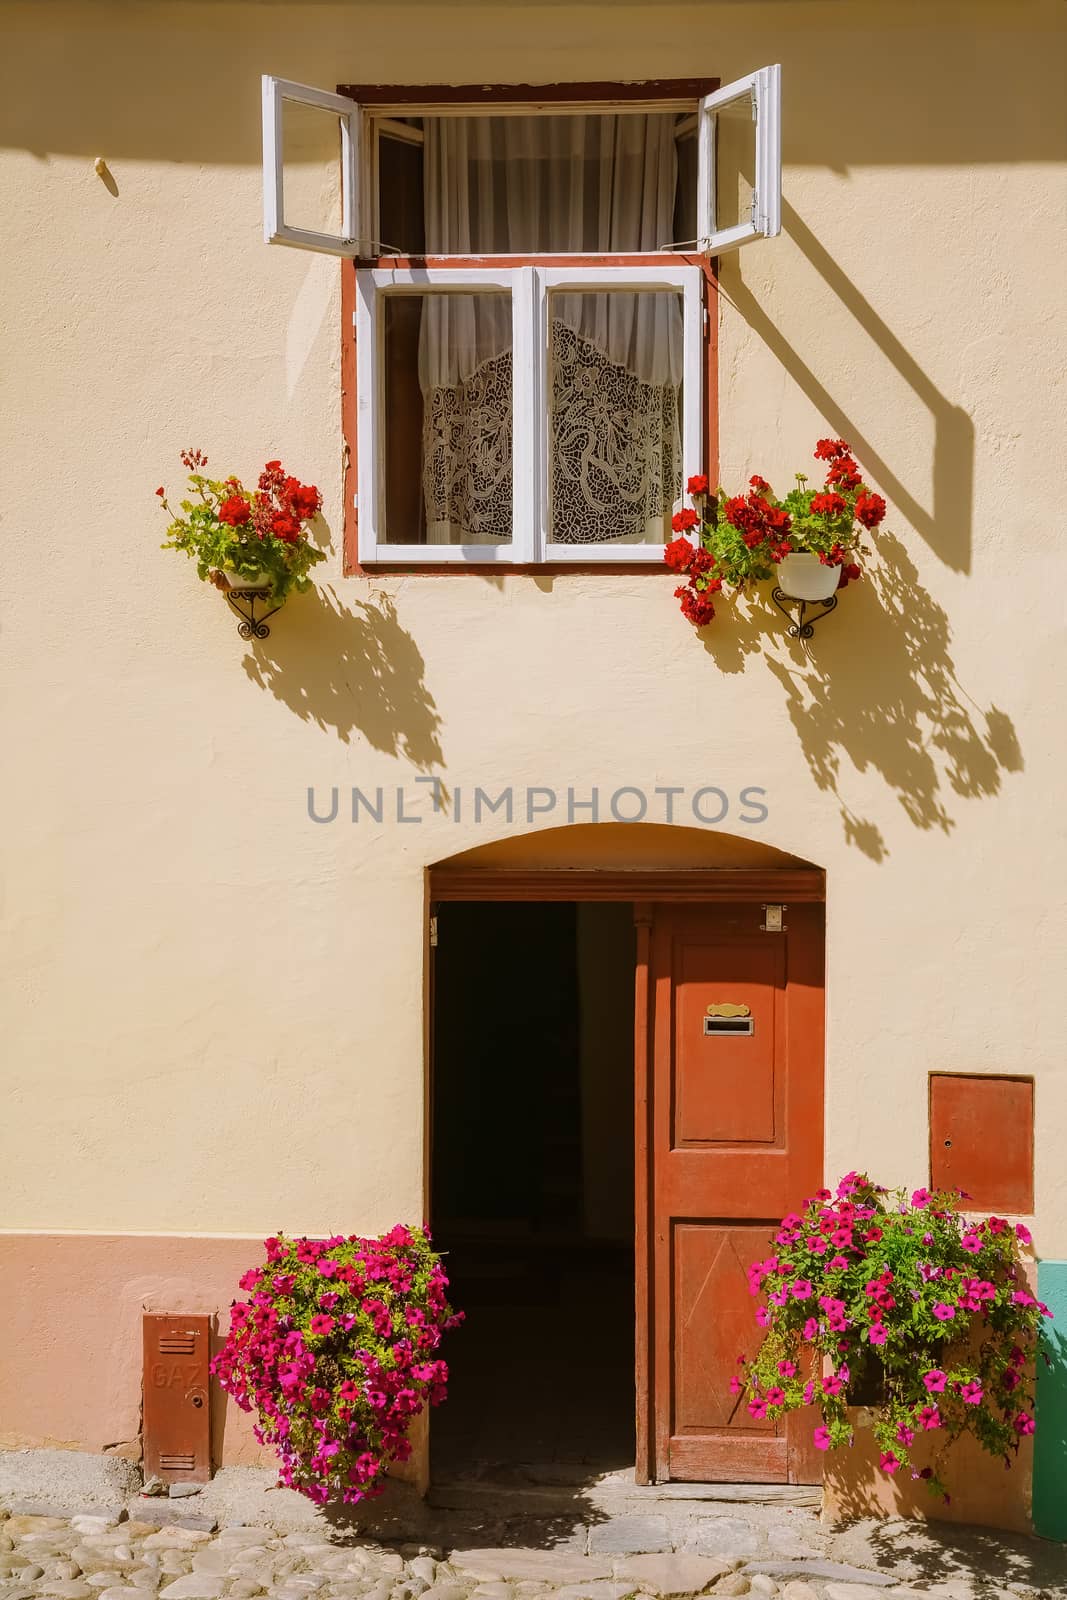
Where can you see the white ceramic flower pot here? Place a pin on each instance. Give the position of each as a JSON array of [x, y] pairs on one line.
[[246, 580], [802, 576]]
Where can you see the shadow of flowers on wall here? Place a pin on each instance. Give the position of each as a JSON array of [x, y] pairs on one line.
[[877, 688], [352, 669]]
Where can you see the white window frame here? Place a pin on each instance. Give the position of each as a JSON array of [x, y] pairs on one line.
[[764, 89], [359, 159], [529, 287], [276, 91], [672, 276]]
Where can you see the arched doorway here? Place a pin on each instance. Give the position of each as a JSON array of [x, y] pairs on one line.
[[626, 1071]]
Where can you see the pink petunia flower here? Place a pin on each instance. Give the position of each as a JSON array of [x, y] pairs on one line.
[[757, 1408], [775, 1396], [877, 1334], [944, 1313], [1023, 1234], [321, 1325], [787, 1369], [801, 1289], [838, 1263], [821, 1437], [888, 1462], [920, 1198], [736, 1386], [930, 1417], [1023, 1424], [763, 1316], [934, 1380], [1021, 1298], [905, 1435], [971, 1394], [811, 1328]]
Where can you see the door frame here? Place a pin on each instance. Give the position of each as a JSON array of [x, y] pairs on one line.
[[643, 889]]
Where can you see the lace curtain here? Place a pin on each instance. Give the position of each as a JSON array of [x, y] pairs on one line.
[[537, 185]]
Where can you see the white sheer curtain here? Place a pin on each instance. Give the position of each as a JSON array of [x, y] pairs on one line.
[[545, 185]]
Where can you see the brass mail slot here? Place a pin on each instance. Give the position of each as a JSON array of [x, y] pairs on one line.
[[728, 1025]]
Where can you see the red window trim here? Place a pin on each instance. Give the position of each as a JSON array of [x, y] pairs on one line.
[[452, 94], [428, 95]]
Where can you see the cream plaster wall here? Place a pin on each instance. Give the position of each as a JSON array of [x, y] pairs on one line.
[[214, 1006]]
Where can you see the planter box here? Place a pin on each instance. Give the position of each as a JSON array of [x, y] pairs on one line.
[[982, 1490]]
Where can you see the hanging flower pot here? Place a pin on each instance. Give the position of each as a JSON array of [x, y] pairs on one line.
[[252, 545], [803, 576], [807, 542], [247, 580]]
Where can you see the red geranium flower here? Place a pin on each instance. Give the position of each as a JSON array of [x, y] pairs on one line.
[[679, 555], [830, 449], [702, 561], [161, 491], [760, 484], [305, 500], [828, 505], [697, 484], [235, 511], [870, 509], [684, 519], [285, 527], [844, 474], [696, 608]]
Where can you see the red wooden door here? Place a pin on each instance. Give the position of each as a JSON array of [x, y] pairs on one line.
[[732, 1113]]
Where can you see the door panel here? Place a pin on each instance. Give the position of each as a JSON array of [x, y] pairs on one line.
[[734, 1141]]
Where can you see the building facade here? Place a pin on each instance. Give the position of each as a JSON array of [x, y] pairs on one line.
[[347, 925]]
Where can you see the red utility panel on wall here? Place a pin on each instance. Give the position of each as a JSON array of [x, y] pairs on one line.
[[177, 1434], [982, 1139]]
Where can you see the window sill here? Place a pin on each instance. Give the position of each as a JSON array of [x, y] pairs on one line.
[[500, 569]]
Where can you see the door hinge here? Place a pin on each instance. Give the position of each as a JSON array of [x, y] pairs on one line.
[[774, 919], [433, 933]]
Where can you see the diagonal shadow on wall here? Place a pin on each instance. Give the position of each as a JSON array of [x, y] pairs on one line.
[[946, 525], [904, 715], [353, 669]]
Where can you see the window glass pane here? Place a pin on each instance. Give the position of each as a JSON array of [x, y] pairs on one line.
[[400, 210], [447, 418], [735, 163], [311, 177], [615, 411], [584, 183], [685, 205]]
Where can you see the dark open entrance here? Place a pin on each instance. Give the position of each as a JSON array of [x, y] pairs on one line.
[[532, 1174]]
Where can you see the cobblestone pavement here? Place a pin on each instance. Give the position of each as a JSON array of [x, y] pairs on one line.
[[718, 1548]]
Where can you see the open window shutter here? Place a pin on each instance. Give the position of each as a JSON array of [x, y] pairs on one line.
[[764, 90], [275, 228]]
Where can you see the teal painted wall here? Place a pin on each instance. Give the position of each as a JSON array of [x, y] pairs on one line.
[[1050, 1436]]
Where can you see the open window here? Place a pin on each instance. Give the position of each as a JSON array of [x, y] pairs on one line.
[[531, 308], [739, 191]]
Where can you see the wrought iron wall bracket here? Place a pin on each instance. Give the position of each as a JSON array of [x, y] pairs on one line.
[[251, 626], [802, 625]]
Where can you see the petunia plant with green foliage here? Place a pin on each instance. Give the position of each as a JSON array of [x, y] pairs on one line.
[[931, 1303], [336, 1350]]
